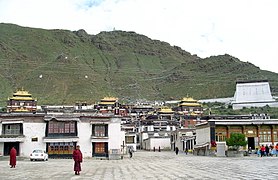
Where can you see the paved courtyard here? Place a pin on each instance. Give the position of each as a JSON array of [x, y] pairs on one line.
[[147, 165]]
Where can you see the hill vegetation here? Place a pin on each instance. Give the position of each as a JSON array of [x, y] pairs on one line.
[[63, 67]]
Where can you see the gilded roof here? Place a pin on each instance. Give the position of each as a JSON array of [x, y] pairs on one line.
[[22, 93], [165, 110], [109, 99], [22, 98], [188, 99], [190, 104]]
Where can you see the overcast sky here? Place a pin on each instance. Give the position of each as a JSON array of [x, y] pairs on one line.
[[246, 29]]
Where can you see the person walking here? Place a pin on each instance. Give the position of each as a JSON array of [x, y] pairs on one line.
[[186, 151], [130, 150], [13, 153], [77, 157], [177, 150]]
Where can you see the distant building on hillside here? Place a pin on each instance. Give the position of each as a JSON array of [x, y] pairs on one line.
[[22, 101], [189, 106], [254, 93]]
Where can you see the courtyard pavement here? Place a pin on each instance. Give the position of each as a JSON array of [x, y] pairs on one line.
[[146, 165]]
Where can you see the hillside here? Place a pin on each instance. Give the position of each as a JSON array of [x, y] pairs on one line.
[[63, 67]]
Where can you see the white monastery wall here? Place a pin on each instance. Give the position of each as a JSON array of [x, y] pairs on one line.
[[164, 143], [32, 130], [203, 136], [84, 140], [116, 136]]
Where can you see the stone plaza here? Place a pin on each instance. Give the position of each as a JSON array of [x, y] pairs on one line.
[[146, 165]]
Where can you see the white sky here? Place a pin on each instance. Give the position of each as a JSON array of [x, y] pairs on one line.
[[246, 29]]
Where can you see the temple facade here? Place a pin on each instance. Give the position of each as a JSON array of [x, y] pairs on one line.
[[22, 101]]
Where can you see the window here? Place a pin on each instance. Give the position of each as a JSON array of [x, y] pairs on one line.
[[275, 136], [67, 128], [265, 136], [220, 136], [61, 127], [34, 139], [129, 139], [100, 130], [61, 148], [13, 129], [55, 127], [72, 127]]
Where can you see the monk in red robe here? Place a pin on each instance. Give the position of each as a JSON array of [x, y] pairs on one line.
[[77, 157], [13, 157]]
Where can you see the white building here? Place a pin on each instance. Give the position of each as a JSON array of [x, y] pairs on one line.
[[58, 134], [253, 94], [24, 131], [184, 139]]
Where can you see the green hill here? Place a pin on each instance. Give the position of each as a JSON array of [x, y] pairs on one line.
[[63, 67]]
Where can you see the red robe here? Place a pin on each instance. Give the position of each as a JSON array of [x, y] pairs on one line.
[[13, 157], [77, 157]]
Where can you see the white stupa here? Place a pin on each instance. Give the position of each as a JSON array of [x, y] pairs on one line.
[[253, 94]]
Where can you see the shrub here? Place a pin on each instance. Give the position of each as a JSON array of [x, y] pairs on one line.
[[235, 141]]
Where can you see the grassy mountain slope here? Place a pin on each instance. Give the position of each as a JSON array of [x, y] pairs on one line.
[[63, 67]]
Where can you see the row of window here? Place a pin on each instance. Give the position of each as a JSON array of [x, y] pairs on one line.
[[264, 136], [55, 127], [67, 148], [61, 127]]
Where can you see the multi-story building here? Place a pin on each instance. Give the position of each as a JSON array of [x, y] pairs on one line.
[[155, 130], [22, 101], [189, 106], [258, 131], [58, 134], [184, 139], [24, 131]]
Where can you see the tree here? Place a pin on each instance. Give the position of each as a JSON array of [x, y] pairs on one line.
[[235, 141]]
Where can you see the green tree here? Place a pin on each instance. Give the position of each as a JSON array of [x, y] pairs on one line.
[[236, 140]]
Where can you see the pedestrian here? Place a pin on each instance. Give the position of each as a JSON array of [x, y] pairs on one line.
[[262, 151], [186, 151], [77, 157], [13, 154], [159, 149], [177, 150], [258, 151], [276, 149], [153, 149], [266, 150], [130, 150]]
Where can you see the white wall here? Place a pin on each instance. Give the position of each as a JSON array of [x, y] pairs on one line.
[[84, 134], [164, 143], [249, 105], [253, 92], [1, 149], [32, 130], [202, 135], [116, 136]]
